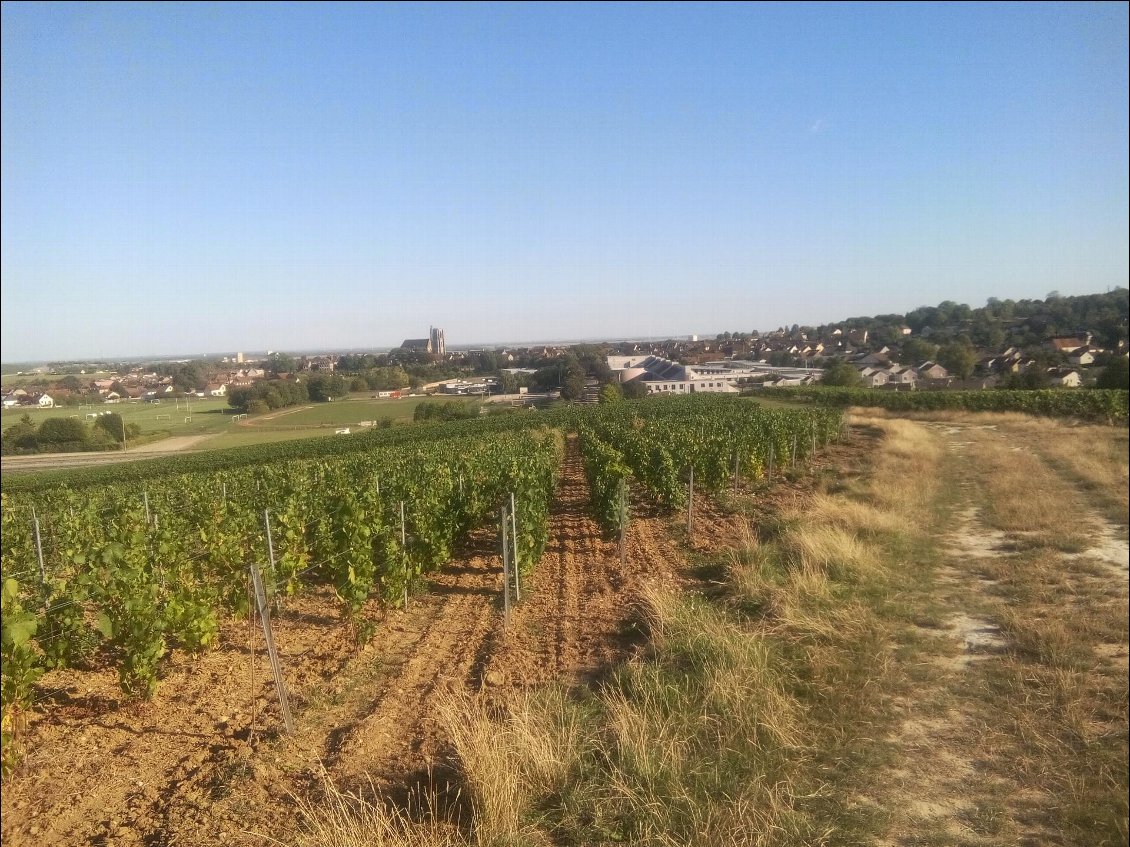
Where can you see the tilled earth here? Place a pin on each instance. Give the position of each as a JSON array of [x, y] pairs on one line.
[[205, 762]]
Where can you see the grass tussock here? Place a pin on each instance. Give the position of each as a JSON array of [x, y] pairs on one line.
[[339, 819]]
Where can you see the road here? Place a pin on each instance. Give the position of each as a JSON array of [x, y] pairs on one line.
[[55, 461]]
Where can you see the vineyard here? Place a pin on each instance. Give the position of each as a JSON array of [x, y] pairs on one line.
[[1100, 405], [123, 566]]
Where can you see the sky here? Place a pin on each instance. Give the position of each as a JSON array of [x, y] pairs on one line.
[[209, 178]]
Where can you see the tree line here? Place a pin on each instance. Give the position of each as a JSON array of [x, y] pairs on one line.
[[67, 435]]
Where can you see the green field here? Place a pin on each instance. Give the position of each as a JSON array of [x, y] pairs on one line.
[[18, 380], [214, 417], [347, 412], [176, 416]]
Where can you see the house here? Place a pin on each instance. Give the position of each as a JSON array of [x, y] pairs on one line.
[[215, 390], [1066, 379], [10, 401], [932, 370], [872, 359], [874, 378], [43, 401], [1068, 344], [1082, 357], [901, 375]]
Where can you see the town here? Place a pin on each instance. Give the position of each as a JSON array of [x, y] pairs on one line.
[[1059, 342]]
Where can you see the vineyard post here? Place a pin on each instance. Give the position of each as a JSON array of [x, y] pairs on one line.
[[377, 483], [272, 654], [404, 553], [772, 455], [623, 522], [793, 464], [145, 499], [505, 569], [38, 547], [737, 467], [224, 492], [514, 550], [690, 504]]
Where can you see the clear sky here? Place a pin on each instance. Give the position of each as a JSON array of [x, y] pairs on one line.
[[211, 178]]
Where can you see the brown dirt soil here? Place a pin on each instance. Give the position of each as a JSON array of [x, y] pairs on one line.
[[204, 762]]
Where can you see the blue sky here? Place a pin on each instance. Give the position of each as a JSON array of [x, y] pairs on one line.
[[209, 178]]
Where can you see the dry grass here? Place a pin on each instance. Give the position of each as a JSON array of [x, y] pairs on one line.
[[1092, 456], [509, 763], [1026, 496], [347, 820]]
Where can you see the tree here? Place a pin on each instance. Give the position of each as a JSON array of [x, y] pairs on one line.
[[65, 434], [958, 357], [611, 393], [323, 388], [1032, 379], [20, 437], [278, 363], [917, 351], [573, 383], [1115, 375], [112, 425], [635, 389], [844, 375]]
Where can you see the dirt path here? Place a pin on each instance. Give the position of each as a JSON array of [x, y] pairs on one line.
[[49, 461], [1011, 587], [204, 763]]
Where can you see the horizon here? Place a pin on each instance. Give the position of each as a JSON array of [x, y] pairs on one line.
[[474, 345], [301, 177]]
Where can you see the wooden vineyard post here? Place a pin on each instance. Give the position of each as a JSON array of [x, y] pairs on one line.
[[224, 492], [514, 551], [772, 454], [623, 523], [272, 654], [38, 547], [505, 568], [793, 463], [404, 553], [690, 504], [145, 499]]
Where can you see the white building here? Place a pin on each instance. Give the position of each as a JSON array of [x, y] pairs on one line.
[[662, 376]]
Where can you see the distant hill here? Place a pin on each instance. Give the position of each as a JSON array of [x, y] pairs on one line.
[[1019, 322]]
